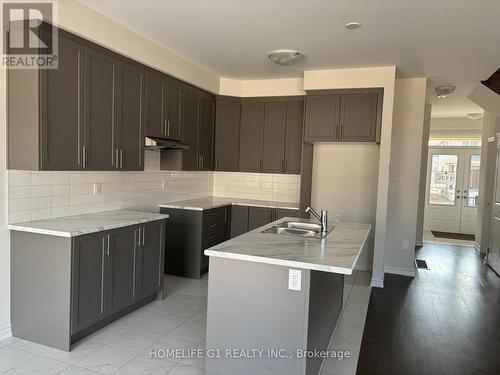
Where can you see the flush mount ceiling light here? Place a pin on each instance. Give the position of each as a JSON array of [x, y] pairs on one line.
[[352, 25], [285, 56], [444, 91], [474, 116]]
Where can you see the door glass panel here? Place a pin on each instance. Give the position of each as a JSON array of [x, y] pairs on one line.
[[443, 180], [473, 184]]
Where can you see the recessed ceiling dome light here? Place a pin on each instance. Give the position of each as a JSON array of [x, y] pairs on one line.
[[285, 56], [352, 25], [475, 116], [444, 91]]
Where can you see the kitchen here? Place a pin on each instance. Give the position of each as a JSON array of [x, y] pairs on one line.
[[160, 211]]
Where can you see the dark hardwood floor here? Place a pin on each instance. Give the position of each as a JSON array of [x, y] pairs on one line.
[[444, 321]]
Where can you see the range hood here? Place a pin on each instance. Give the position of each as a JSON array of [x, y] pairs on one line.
[[158, 144]]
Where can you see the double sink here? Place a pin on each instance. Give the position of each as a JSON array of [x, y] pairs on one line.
[[299, 229]]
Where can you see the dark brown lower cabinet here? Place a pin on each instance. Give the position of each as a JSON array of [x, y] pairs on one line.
[[259, 216], [239, 220], [78, 285], [244, 218], [112, 270], [189, 233]]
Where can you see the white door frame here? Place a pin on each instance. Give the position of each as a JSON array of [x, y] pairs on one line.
[[457, 218]]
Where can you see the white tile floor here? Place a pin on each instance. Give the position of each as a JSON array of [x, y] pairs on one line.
[[179, 321]]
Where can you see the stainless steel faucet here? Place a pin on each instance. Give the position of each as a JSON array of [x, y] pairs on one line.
[[323, 218]]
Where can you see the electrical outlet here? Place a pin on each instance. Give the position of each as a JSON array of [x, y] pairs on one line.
[[294, 279], [406, 245]]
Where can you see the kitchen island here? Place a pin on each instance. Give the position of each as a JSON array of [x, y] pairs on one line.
[[274, 299]]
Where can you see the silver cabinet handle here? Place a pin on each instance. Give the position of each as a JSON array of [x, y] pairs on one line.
[[286, 166], [107, 248], [202, 162], [121, 158], [116, 158], [143, 235], [84, 157], [165, 127], [138, 236]]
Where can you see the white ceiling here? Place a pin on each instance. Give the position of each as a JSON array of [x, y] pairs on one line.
[[449, 41]]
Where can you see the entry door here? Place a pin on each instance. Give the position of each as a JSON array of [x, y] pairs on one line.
[[452, 190], [494, 251]]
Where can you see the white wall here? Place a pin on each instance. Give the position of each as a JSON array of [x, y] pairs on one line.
[[81, 19], [404, 181], [423, 176], [345, 183], [364, 78], [455, 127], [4, 234]]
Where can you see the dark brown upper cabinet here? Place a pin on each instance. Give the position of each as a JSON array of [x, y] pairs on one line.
[[273, 150], [227, 134], [343, 115], [45, 112], [251, 136], [294, 136], [198, 111], [358, 117], [130, 116], [271, 135], [85, 115], [155, 98], [173, 110], [164, 107], [100, 150], [206, 132]]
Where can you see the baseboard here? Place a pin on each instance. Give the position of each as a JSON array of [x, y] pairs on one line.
[[363, 267], [400, 271], [5, 332], [376, 283]]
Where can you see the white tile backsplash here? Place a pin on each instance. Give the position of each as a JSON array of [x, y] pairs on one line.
[[39, 195], [276, 187]]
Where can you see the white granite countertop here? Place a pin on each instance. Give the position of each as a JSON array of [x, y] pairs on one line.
[[337, 253], [207, 203], [71, 226]]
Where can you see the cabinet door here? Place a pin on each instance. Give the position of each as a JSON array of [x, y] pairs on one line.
[[88, 280], [239, 220], [322, 118], [190, 160], [251, 136], [62, 109], [226, 223], [100, 123], [121, 280], [155, 105], [358, 122], [280, 213], [173, 111], [259, 216], [273, 155], [130, 151], [227, 135], [206, 134], [294, 136], [151, 257]]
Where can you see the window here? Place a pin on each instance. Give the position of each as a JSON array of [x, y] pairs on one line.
[[473, 183], [443, 179], [458, 142]]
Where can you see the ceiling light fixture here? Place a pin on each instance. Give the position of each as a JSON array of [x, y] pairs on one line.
[[285, 56], [444, 90], [352, 25], [475, 116]]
